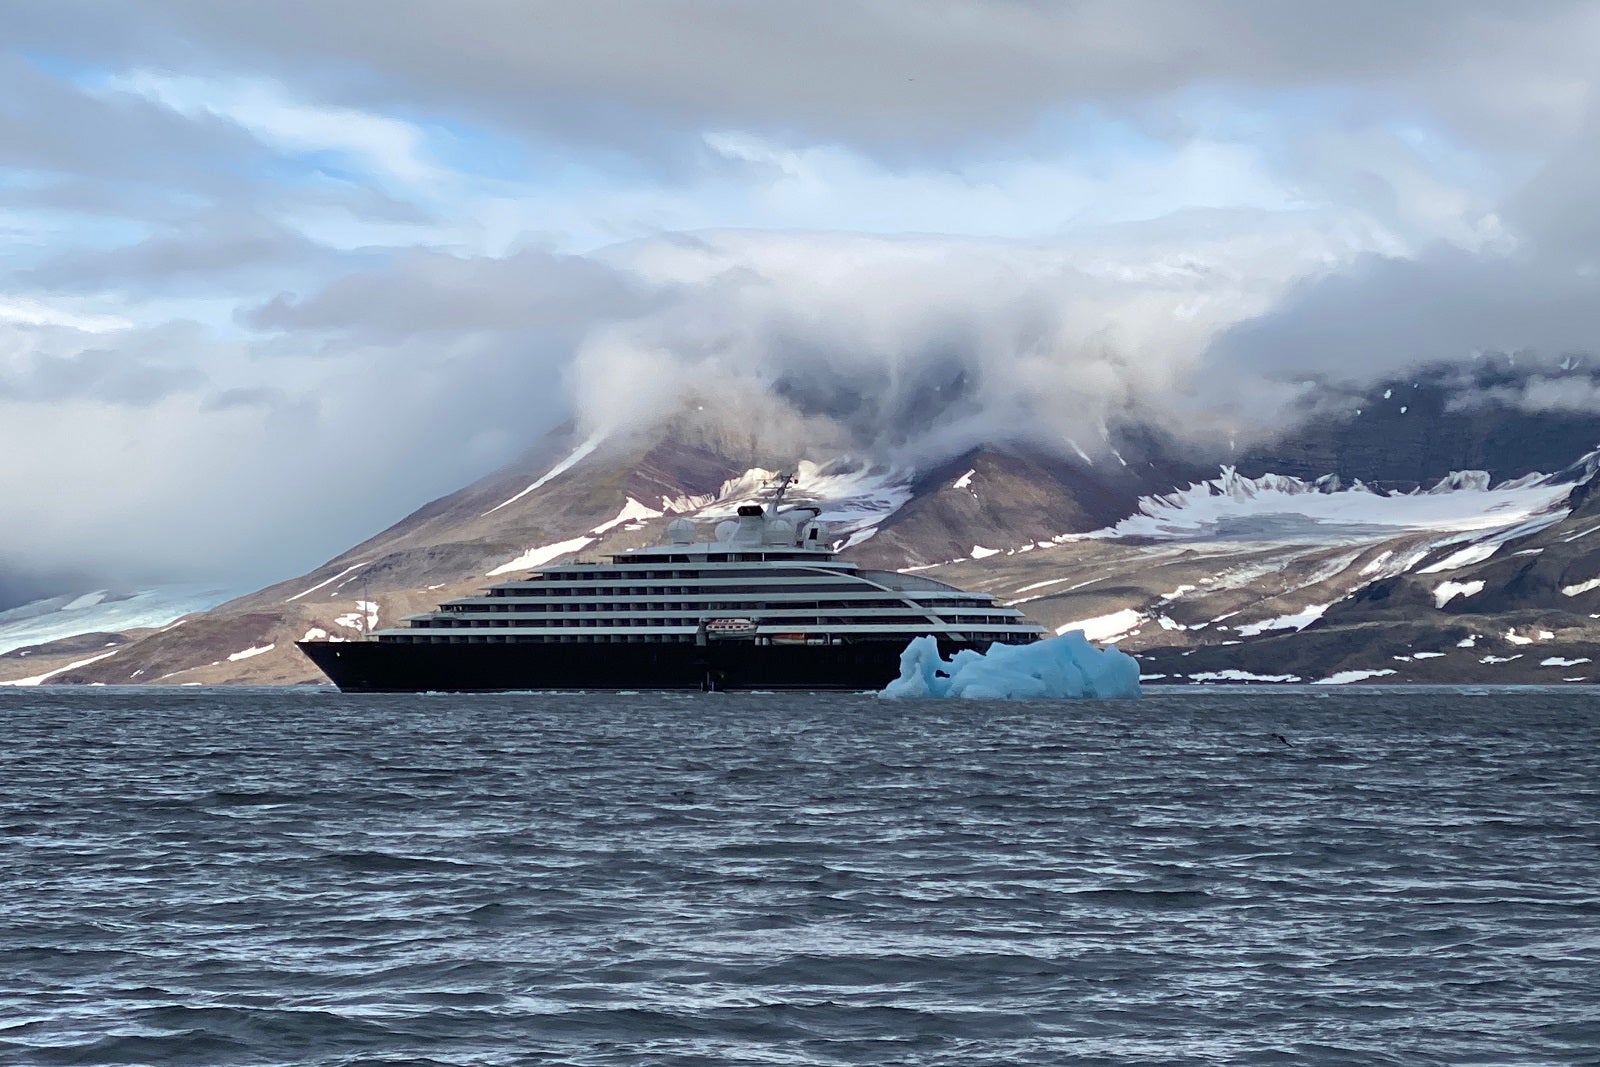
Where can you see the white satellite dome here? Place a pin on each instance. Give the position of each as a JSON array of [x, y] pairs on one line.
[[780, 531], [680, 531], [726, 529]]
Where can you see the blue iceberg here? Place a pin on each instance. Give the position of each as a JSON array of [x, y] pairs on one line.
[[1063, 666]]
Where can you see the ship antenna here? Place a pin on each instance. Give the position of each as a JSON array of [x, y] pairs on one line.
[[782, 484]]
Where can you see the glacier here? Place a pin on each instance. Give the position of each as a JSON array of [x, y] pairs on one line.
[[1065, 666], [1234, 505], [58, 617]]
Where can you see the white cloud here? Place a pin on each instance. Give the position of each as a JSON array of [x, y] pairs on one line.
[[26, 311], [1012, 215], [387, 146]]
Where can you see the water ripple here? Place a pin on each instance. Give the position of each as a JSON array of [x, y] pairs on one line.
[[300, 877]]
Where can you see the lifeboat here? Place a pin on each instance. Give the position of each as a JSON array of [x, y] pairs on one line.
[[725, 629]]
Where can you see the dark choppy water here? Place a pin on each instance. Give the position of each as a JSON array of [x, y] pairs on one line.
[[299, 877]]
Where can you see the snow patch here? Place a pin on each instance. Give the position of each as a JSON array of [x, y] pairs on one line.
[[965, 480], [1463, 557], [1445, 592], [1105, 628], [1346, 677], [554, 472], [252, 652], [1241, 676], [979, 552], [41, 678], [1557, 661], [632, 511], [364, 618], [1579, 535], [540, 555], [1298, 621], [328, 581], [1580, 588]]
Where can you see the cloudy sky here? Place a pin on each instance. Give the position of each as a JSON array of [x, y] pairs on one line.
[[276, 273]]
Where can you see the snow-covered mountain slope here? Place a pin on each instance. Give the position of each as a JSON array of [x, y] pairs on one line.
[[991, 499], [1287, 508], [1231, 578]]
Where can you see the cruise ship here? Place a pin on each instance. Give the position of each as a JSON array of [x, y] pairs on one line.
[[764, 604]]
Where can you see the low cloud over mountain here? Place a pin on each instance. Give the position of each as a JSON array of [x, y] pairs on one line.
[[278, 275]]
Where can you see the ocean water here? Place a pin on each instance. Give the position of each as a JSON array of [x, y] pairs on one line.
[[1223, 876]]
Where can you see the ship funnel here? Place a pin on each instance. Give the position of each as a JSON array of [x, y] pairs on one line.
[[752, 527]]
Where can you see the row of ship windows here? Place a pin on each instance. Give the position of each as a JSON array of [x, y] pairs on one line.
[[579, 607], [590, 639], [590, 623], [495, 639], [599, 575], [812, 586]]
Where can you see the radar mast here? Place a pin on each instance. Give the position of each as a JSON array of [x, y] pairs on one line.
[[780, 485]]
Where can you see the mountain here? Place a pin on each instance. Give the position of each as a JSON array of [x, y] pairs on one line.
[[1373, 553]]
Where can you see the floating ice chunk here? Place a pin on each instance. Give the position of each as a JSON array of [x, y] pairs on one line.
[[1063, 666]]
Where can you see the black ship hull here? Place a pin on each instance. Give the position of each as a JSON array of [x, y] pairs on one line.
[[407, 667]]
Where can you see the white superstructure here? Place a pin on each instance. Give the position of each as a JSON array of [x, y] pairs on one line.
[[770, 576]]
